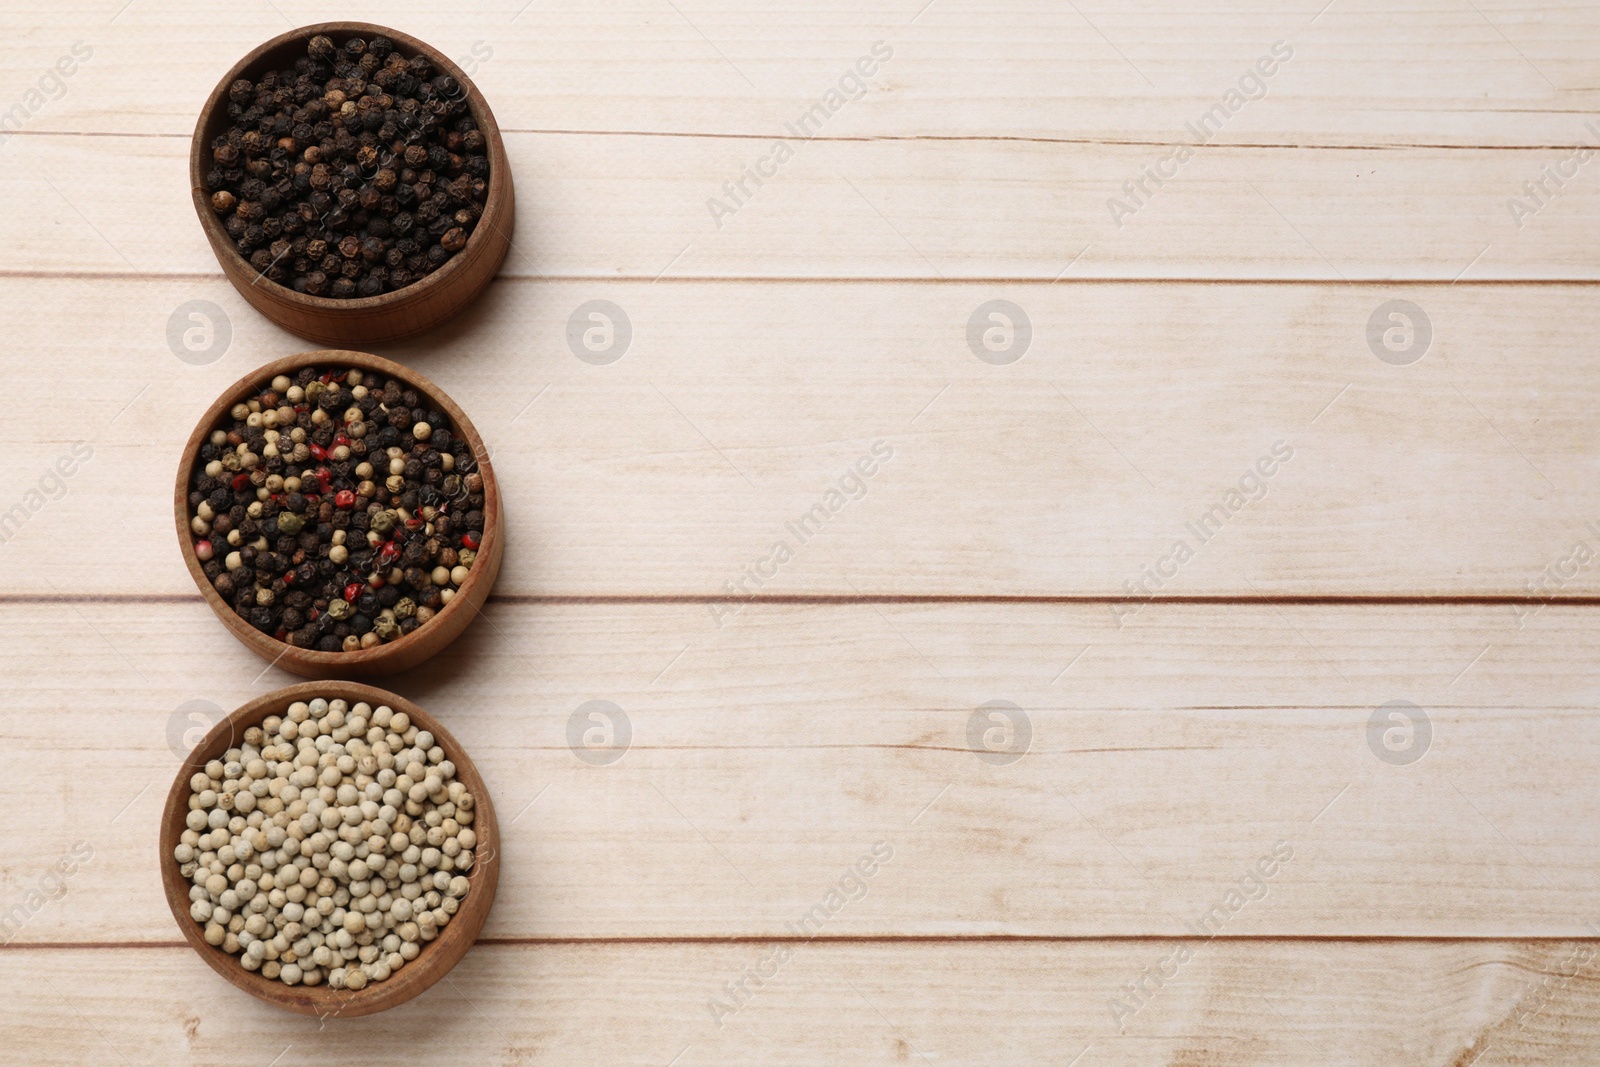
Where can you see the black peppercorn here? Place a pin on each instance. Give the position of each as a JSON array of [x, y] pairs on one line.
[[345, 143]]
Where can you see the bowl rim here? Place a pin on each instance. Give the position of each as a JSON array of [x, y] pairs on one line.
[[368, 659], [223, 245], [442, 953]]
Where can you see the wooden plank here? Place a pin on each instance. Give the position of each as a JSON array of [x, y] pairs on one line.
[[644, 206], [1510, 72], [1135, 411], [1265, 1003], [773, 746], [768, 756]]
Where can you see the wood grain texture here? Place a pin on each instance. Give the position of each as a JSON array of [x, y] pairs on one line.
[[1495, 72], [1135, 411], [638, 207], [1337, 1004], [1172, 744], [767, 757]]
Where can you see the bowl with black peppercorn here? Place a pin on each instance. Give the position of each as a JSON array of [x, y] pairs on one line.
[[340, 515], [353, 184], [329, 848]]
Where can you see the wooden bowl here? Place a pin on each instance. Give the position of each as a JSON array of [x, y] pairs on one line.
[[437, 956], [390, 316], [403, 652]]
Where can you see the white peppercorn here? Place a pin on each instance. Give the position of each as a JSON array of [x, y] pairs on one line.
[[328, 846]]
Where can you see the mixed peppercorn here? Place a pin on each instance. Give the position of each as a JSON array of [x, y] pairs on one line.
[[336, 510], [354, 173]]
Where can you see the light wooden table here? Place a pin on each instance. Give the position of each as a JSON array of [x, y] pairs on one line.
[[1429, 533]]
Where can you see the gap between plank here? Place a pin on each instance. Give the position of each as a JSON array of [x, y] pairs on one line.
[[865, 279], [852, 599], [894, 939], [1113, 142]]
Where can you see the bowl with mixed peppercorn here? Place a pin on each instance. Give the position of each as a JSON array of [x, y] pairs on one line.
[[353, 183], [340, 514]]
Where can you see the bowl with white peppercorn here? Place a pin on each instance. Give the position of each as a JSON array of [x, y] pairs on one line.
[[330, 849], [340, 514], [353, 183]]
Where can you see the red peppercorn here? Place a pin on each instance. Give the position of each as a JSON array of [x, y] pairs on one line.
[[468, 542], [388, 553], [318, 452], [240, 481], [352, 591], [344, 498]]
